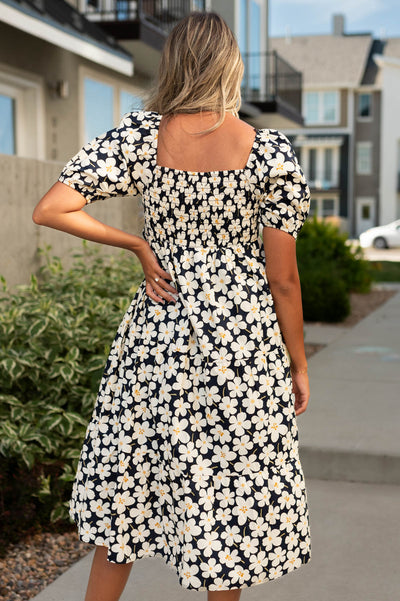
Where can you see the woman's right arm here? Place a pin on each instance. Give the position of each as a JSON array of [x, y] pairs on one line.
[[284, 283]]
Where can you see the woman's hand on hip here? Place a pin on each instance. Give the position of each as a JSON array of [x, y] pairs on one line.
[[301, 389], [157, 286]]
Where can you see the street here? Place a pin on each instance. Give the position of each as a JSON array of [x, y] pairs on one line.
[[375, 254]]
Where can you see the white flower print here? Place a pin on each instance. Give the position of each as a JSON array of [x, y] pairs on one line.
[[121, 547], [192, 449]]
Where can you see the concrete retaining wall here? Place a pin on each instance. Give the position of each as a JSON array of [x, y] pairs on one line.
[[24, 182]]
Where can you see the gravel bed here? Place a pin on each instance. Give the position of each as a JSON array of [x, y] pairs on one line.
[[33, 563], [36, 561]]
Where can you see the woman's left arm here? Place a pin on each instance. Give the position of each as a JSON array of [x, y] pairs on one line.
[[61, 209]]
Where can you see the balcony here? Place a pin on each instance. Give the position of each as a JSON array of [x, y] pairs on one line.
[[149, 21], [271, 85], [323, 181]]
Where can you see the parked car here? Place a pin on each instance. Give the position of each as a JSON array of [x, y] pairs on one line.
[[384, 236]]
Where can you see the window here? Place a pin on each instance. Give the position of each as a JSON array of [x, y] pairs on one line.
[[313, 207], [364, 105], [242, 33], [99, 107], [7, 125], [324, 207], [198, 5], [250, 33], [254, 44], [129, 102], [312, 164], [364, 158], [328, 207], [322, 108], [366, 212], [312, 107], [321, 166], [21, 115], [328, 165], [105, 102]]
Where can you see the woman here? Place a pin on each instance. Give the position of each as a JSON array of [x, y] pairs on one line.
[[192, 449]]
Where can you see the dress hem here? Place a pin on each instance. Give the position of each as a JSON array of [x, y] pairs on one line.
[[170, 565]]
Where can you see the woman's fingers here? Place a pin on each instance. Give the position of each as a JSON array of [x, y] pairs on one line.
[[163, 284], [150, 292], [157, 286], [160, 289]]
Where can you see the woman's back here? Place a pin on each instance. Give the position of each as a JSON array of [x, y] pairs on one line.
[[226, 148]]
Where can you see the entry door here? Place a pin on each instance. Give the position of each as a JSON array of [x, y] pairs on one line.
[[365, 214]]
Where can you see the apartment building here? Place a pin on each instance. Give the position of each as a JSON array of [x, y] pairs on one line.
[[271, 87], [349, 143], [70, 69]]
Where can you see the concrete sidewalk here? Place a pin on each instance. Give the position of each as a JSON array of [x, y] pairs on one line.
[[355, 538], [350, 451], [351, 429]]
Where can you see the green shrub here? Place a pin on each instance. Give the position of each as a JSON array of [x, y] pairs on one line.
[[55, 337], [329, 270]]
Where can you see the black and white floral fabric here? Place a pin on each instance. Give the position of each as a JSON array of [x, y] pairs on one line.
[[192, 450]]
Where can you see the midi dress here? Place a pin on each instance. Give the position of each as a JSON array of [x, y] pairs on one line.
[[192, 450]]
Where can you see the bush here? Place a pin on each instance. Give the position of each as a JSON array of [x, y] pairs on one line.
[[329, 270], [56, 334]]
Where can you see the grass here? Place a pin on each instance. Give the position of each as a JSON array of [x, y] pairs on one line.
[[385, 271]]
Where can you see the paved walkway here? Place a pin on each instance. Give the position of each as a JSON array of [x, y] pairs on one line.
[[349, 445], [351, 428]]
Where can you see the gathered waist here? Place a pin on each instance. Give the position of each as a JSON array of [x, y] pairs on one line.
[[236, 248]]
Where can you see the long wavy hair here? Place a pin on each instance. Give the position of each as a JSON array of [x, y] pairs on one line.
[[201, 69]]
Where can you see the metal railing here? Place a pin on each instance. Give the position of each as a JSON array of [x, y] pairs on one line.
[[163, 14], [268, 77]]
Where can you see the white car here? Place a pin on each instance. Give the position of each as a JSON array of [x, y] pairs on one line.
[[384, 236]]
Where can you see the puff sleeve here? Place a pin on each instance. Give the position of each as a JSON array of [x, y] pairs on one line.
[[103, 167], [285, 200]]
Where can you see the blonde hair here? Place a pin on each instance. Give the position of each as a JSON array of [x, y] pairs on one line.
[[201, 69]]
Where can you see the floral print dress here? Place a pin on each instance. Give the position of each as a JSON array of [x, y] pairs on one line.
[[192, 451]]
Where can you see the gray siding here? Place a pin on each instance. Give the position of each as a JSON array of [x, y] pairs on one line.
[[368, 131]]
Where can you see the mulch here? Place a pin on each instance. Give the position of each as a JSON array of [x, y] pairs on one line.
[[37, 560]]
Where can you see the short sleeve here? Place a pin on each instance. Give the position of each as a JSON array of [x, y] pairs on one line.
[[285, 201], [103, 167]]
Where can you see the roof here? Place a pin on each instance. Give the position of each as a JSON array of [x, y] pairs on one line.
[[326, 59], [392, 48], [59, 23]]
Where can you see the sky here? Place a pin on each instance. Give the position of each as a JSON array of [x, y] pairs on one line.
[[302, 17]]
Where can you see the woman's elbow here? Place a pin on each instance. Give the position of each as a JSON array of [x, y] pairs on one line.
[[39, 215], [284, 286], [44, 210]]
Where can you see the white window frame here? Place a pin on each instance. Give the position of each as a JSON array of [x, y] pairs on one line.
[[117, 88], [361, 169], [27, 93], [361, 117], [319, 202], [320, 166], [320, 120]]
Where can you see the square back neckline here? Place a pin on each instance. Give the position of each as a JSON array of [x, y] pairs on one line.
[[188, 172]]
